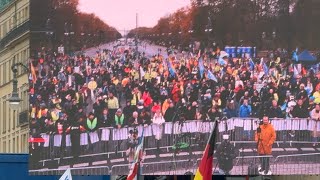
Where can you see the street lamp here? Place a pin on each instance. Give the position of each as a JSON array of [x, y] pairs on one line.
[[49, 32], [14, 100], [273, 34]]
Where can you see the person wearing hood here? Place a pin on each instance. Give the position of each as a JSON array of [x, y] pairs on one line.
[[265, 136]]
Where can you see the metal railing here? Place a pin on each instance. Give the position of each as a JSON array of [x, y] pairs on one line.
[[14, 33], [96, 170], [108, 146], [297, 164]]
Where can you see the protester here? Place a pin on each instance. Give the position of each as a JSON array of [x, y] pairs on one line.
[[315, 114], [160, 88]]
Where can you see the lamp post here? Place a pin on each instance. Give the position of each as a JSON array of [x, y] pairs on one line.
[[14, 100], [49, 32]]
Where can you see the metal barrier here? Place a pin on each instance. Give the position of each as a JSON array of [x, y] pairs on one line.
[[108, 146], [96, 170], [158, 168], [297, 164]]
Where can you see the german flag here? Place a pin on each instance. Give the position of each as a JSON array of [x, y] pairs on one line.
[[133, 172], [204, 171]]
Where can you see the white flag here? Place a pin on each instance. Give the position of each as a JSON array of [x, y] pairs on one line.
[[142, 73], [66, 175]]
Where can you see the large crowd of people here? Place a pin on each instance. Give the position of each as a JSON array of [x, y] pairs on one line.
[[122, 87]]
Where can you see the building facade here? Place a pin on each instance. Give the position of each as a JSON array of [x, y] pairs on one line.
[[14, 48]]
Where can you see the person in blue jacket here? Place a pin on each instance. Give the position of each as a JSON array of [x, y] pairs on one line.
[[245, 112]]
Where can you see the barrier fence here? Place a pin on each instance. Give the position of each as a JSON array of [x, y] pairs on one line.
[[97, 170], [296, 164], [111, 139], [108, 146]]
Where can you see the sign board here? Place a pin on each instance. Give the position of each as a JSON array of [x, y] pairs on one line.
[[258, 86], [92, 85], [61, 49]]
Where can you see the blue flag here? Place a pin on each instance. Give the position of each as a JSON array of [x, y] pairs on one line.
[[295, 55], [251, 63], [283, 107], [212, 76], [221, 61], [265, 69], [201, 67], [170, 68]]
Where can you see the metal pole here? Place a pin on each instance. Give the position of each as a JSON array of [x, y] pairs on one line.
[[136, 32], [15, 80]]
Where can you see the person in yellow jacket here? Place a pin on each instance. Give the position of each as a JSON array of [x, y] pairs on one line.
[[316, 94], [55, 113], [265, 136], [113, 104], [136, 96]]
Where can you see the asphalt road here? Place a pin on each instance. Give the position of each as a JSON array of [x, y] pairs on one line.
[[150, 49]]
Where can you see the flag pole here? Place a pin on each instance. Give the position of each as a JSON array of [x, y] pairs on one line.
[[138, 173]]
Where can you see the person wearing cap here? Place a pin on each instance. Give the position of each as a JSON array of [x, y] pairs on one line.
[[265, 136]]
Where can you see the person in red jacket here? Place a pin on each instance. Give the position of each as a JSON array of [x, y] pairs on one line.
[[156, 106], [176, 93], [146, 97]]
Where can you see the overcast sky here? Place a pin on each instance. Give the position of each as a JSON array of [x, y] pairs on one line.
[[121, 14]]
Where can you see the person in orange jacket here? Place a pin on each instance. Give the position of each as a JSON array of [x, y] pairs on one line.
[[265, 137]]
